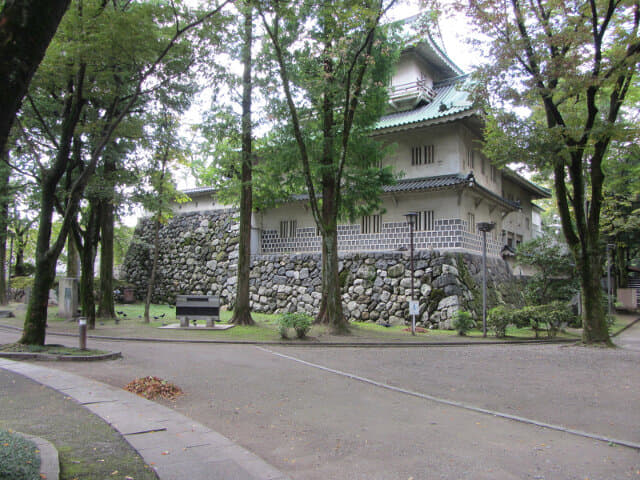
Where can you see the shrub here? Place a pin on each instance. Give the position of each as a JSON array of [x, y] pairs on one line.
[[21, 283], [300, 322], [498, 318], [550, 317], [463, 322]]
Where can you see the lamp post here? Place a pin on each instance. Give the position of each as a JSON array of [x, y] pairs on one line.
[[484, 227], [411, 220]]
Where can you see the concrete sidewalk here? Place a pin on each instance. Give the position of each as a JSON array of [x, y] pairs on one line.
[[174, 445]]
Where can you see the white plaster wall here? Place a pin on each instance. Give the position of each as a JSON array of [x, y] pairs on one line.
[[199, 203], [516, 222], [471, 142], [444, 205], [409, 69], [482, 212], [270, 219], [448, 148]]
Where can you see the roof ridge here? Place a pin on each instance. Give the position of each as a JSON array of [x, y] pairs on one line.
[[451, 80]]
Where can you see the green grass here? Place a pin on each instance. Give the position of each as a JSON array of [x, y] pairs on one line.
[[49, 349], [19, 459], [266, 329]]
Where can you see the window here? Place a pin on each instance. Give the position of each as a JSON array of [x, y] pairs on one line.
[[425, 221], [494, 173], [471, 220], [518, 240], [482, 165], [371, 224], [422, 155], [470, 159], [288, 228]]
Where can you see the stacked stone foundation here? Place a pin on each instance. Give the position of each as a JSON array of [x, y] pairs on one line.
[[198, 255]]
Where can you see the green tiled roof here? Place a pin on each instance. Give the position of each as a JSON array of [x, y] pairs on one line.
[[451, 100]]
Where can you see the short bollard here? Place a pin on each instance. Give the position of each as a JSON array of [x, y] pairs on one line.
[[82, 332]]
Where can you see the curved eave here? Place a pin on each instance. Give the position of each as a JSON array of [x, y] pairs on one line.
[[431, 50], [507, 205], [411, 125], [199, 191], [535, 190]]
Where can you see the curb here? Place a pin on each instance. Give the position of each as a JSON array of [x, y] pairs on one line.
[[61, 358], [543, 341], [627, 327], [49, 461]]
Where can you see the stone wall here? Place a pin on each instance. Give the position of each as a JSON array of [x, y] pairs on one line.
[[198, 255]]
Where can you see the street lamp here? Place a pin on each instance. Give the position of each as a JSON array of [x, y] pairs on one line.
[[484, 227], [413, 307]]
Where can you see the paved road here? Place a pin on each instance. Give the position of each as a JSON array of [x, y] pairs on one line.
[[630, 339], [315, 424]]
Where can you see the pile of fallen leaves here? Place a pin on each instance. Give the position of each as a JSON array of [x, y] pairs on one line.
[[153, 387]]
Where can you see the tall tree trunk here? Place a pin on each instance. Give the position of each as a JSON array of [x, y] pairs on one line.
[[73, 259], [106, 307], [35, 322], [333, 314], [154, 268], [242, 308], [622, 279], [4, 215], [19, 269], [594, 329], [26, 28], [87, 262]]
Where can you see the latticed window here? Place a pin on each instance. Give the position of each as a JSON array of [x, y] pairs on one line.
[[371, 224], [471, 221], [425, 221], [470, 159], [423, 155], [288, 228]]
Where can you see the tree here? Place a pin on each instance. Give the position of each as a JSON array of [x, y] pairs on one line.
[[554, 277], [621, 208], [5, 196], [26, 28], [162, 192], [242, 308], [152, 36], [570, 64], [334, 63]]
